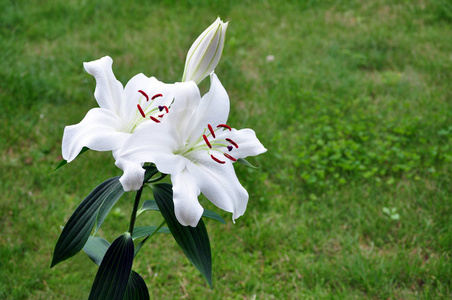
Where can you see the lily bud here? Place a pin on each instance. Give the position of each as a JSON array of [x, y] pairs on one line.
[[205, 53]]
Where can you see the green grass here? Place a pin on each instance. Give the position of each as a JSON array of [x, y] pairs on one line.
[[355, 110]]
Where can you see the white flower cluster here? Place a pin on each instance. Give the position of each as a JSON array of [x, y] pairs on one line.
[[172, 126]]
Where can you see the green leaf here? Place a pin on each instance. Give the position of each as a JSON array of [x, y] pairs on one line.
[[246, 163], [139, 232], [152, 205], [193, 241], [95, 248], [63, 162], [150, 171], [78, 228], [213, 215], [114, 271], [136, 288], [148, 205], [108, 204]]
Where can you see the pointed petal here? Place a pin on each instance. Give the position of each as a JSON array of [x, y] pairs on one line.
[[133, 176], [154, 143], [219, 183], [186, 101], [248, 143], [97, 131], [108, 92], [213, 108], [185, 197]]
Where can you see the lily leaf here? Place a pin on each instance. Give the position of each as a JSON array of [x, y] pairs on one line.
[[95, 248], [152, 205], [150, 171], [139, 232], [194, 241], [63, 162], [213, 215], [246, 163], [136, 288], [148, 205], [78, 228], [114, 271]]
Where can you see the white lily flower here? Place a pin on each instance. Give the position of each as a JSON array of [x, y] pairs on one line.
[[205, 53], [121, 110], [198, 149]]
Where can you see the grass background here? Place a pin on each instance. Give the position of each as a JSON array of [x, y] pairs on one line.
[[355, 110]]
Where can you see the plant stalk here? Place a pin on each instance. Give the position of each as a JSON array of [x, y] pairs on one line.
[[133, 217]]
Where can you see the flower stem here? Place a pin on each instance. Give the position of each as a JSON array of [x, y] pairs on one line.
[[133, 217]]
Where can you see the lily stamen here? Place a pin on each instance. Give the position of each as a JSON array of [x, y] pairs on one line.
[[206, 140], [156, 95], [144, 94], [154, 119], [141, 111], [224, 126], [217, 160], [232, 142], [211, 130], [230, 157]]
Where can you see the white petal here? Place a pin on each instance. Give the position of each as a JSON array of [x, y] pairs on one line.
[[186, 101], [97, 131], [249, 144], [133, 176], [152, 142], [109, 90], [132, 96], [219, 183], [213, 108], [185, 197]]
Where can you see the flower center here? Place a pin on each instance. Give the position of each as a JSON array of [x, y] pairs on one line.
[[148, 110], [217, 148]]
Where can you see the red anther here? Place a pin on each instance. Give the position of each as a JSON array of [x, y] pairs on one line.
[[155, 119], [166, 109], [141, 111], [144, 94], [232, 142], [206, 140], [211, 130], [161, 116], [224, 126], [217, 160], [156, 95], [230, 157]]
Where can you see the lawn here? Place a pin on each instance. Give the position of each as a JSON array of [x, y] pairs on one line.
[[352, 99]]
